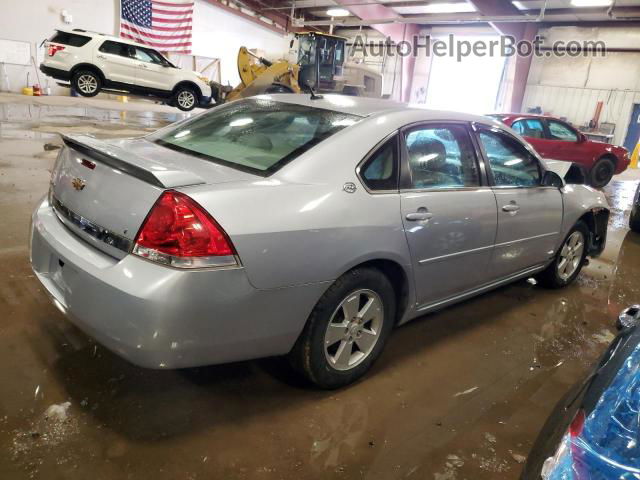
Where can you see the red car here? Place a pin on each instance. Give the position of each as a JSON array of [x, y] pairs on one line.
[[557, 140]]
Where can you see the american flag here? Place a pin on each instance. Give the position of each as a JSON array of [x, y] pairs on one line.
[[164, 25]]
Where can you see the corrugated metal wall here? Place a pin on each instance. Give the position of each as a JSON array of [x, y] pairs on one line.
[[571, 87], [578, 104]]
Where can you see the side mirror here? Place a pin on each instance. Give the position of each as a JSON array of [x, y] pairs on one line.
[[582, 138], [291, 43], [552, 179]]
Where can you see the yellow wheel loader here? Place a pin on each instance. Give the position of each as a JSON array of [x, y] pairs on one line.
[[319, 67]]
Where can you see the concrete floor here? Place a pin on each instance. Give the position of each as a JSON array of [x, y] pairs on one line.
[[459, 394]]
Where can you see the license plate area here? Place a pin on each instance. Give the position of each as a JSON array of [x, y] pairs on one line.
[[60, 274]]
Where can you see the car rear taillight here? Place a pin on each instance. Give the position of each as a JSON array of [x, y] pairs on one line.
[[180, 233], [575, 429], [53, 49]]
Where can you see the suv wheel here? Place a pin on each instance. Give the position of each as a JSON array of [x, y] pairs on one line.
[[87, 83], [346, 330], [185, 99], [601, 172], [569, 260]]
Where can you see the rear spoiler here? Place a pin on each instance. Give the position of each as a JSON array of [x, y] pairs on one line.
[[142, 168]]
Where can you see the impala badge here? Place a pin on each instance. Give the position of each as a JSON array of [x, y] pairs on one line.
[[349, 187], [78, 183]]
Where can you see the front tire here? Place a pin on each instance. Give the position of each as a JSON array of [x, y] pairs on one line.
[[634, 218], [185, 98], [601, 172], [569, 260], [87, 83], [346, 330]]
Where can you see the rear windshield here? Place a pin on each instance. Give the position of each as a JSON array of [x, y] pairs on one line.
[[258, 136], [72, 39]]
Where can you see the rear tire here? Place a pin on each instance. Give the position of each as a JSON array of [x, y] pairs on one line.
[[347, 329], [87, 83], [185, 98], [568, 261], [601, 172]]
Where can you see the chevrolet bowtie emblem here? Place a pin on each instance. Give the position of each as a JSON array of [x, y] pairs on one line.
[[78, 183]]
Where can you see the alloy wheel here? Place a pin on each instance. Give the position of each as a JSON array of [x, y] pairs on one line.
[[186, 99], [87, 83], [354, 329], [571, 255]]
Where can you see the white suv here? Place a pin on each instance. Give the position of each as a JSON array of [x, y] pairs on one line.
[[93, 62]]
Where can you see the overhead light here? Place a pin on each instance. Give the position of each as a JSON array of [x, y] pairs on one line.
[[338, 12], [590, 3]]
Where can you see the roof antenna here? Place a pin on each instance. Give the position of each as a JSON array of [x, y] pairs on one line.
[[314, 96]]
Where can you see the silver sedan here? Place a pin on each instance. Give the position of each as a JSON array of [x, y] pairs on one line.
[[298, 226]]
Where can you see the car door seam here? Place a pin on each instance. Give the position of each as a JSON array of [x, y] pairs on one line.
[[450, 255]]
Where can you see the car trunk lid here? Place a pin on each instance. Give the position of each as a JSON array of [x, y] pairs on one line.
[[103, 190]]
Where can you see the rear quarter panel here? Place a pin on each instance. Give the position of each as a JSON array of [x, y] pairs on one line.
[[300, 226]]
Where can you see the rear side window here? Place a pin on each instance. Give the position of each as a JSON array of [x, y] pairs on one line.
[[257, 135], [441, 157], [529, 127], [72, 39], [115, 48], [380, 171], [511, 163]]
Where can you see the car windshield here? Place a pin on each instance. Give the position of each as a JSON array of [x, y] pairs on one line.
[[258, 136]]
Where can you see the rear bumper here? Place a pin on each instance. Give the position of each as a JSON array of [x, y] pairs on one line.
[[56, 73], [159, 317]]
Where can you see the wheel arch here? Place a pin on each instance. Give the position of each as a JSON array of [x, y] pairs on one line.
[[88, 66], [398, 277], [610, 156], [188, 83], [596, 221]]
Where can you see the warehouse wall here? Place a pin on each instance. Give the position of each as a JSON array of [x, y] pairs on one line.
[[216, 33], [571, 88], [220, 34]]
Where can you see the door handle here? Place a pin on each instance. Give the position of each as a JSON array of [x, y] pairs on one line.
[[101, 56], [420, 216], [512, 207], [143, 65]]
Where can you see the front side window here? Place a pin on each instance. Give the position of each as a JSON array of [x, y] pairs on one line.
[[306, 50], [149, 56], [562, 132], [511, 163], [529, 127], [380, 172], [441, 157], [115, 48], [258, 136]]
